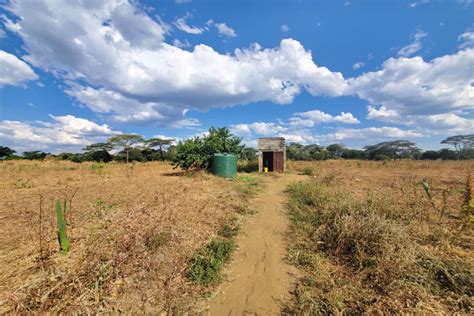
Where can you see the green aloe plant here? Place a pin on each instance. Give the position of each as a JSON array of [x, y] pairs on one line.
[[62, 237]]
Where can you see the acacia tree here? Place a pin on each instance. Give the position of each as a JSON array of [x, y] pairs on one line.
[[393, 149], [98, 146], [159, 142], [125, 142], [460, 142]]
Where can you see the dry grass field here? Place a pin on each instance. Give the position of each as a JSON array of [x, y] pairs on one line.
[[132, 232], [365, 235], [370, 240]]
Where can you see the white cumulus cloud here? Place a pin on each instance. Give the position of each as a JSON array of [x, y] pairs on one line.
[[124, 109], [62, 132], [14, 71], [412, 86], [311, 118], [466, 39], [371, 133], [98, 52]]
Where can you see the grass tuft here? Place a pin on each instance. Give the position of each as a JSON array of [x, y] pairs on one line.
[[308, 171], [206, 264]]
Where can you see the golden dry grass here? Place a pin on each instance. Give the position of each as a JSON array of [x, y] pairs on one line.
[[370, 241], [132, 231]]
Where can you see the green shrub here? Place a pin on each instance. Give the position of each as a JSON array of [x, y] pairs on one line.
[[197, 152]]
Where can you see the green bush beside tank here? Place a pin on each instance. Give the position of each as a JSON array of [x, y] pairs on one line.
[[224, 165]]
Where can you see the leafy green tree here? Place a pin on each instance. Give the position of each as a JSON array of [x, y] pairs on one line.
[[150, 154], [197, 152], [98, 152], [297, 151], [354, 154], [460, 143], [396, 149], [6, 152], [249, 153], [35, 155], [189, 154], [314, 152], [336, 150], [125, 143], [467, 153], [160, 143], [171, 153], [293, 151], [133, 154], [430, 155], [447, 154], [99, 156]]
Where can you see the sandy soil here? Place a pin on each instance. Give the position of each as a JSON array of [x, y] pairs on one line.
[[259, 279]]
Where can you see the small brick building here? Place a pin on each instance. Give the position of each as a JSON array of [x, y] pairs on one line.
[[272, 154]]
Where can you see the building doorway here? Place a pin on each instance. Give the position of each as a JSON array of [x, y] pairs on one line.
[[268, 160], [273, 160]]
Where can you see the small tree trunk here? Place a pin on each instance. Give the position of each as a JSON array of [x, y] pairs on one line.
[[127, 155]]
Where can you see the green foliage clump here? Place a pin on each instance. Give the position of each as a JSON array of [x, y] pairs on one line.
[[197, 152], [397, 149], [206, 264], [6, 152], [35, 155]]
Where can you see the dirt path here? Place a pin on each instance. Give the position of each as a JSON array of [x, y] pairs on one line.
[[259, 278]]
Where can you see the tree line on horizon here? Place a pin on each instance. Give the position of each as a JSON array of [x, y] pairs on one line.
[[196, 152]]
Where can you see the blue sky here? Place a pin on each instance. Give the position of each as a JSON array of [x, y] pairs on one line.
[[352, 72]]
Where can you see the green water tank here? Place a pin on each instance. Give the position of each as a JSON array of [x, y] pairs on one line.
[[224, 165]]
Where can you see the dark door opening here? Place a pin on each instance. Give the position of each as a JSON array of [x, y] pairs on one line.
[[268, 160]]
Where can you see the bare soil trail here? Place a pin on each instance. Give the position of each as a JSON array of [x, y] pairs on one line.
[[259, 279]]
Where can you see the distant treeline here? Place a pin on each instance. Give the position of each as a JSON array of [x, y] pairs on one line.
[[398, 149], [131, 147]]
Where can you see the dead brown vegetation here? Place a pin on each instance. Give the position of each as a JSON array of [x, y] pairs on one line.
[[132, 232], [370, 240]]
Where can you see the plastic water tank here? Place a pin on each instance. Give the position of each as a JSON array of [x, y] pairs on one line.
[[224, 165]]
